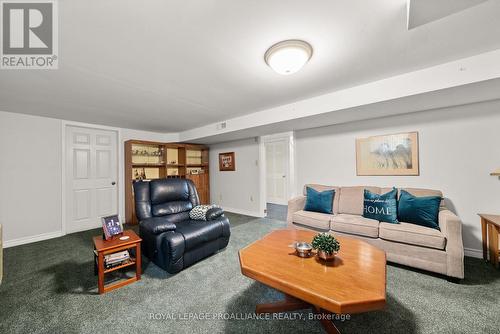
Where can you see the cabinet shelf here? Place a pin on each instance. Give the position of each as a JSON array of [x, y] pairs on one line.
[[197, 165], [145, 180], [177, 160], [148, 165], [146, 155]]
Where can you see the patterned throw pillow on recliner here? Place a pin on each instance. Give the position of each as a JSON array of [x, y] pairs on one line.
[[205, 212]]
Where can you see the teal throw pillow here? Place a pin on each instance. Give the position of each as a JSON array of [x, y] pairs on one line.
[[422, 211], [381, 207], [319, 201]]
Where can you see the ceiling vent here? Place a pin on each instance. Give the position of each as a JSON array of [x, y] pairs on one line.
[[221, 126]]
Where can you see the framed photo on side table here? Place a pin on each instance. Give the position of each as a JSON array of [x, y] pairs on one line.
[[111, 226], [227, 162]]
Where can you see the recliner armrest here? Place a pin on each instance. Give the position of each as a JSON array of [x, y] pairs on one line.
[[214, 213], [157, 225]]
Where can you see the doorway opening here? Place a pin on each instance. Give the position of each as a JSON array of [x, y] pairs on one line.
[[90, 159], [277, 173]]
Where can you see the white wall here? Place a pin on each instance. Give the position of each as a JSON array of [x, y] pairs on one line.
[[459, 147], [237, 191], [31, 175]]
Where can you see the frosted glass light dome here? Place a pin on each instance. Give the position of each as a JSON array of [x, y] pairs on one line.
[[288, 57]]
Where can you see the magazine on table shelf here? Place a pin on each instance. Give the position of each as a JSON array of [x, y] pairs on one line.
[[116, 259]]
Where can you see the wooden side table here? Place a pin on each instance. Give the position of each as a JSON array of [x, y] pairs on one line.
[[105, 247], [490, 228]]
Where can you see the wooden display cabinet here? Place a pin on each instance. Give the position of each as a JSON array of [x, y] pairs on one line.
[[146, 160]]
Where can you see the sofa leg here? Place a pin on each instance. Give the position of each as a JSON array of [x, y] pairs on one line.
[[454, 280]]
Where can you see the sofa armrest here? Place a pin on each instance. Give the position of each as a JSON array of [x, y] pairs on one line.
[[157, 225], [294, 205], [451, 227], [214, 213]]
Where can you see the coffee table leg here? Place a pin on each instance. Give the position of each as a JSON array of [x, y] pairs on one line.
[[289, 304], [327, 324]]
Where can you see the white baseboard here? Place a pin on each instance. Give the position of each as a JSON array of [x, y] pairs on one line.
[[84, 228], [277, 203], [473, 253], [244, 212], [30, 239]]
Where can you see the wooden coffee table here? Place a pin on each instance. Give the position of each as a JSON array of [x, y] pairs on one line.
[[353, 283]]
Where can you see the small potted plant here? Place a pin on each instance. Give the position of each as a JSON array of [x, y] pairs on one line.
[[327, 246]]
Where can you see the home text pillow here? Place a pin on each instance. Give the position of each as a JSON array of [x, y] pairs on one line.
[[205, 212], [383, 208], [319, 201], [422, 211]]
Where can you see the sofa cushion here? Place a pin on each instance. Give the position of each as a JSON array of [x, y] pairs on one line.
[[351, 199], [319, 201], [313, 219], [354, 224], [422, 211], [421, 192], [383, 207], [319, 187], [412, 234]]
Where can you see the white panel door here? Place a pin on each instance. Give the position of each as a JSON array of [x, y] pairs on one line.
[[91, 177], [277, 159]]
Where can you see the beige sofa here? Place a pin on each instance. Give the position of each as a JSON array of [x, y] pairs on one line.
[[440, 251]]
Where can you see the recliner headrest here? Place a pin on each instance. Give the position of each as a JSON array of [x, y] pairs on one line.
[[168, 190]]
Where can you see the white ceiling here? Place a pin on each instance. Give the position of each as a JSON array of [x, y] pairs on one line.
[[168, 66], [424, 11]]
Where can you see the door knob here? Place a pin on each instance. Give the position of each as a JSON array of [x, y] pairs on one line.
[[113, 183]]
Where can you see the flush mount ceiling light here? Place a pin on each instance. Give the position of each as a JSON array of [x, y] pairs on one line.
[[287, 57]]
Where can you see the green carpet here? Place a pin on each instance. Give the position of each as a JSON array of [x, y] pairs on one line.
[[50, 287]]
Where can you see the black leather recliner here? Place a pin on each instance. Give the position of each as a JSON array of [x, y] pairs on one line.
[[169, 237]]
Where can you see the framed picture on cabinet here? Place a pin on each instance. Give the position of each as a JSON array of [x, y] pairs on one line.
[[227, 162]]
